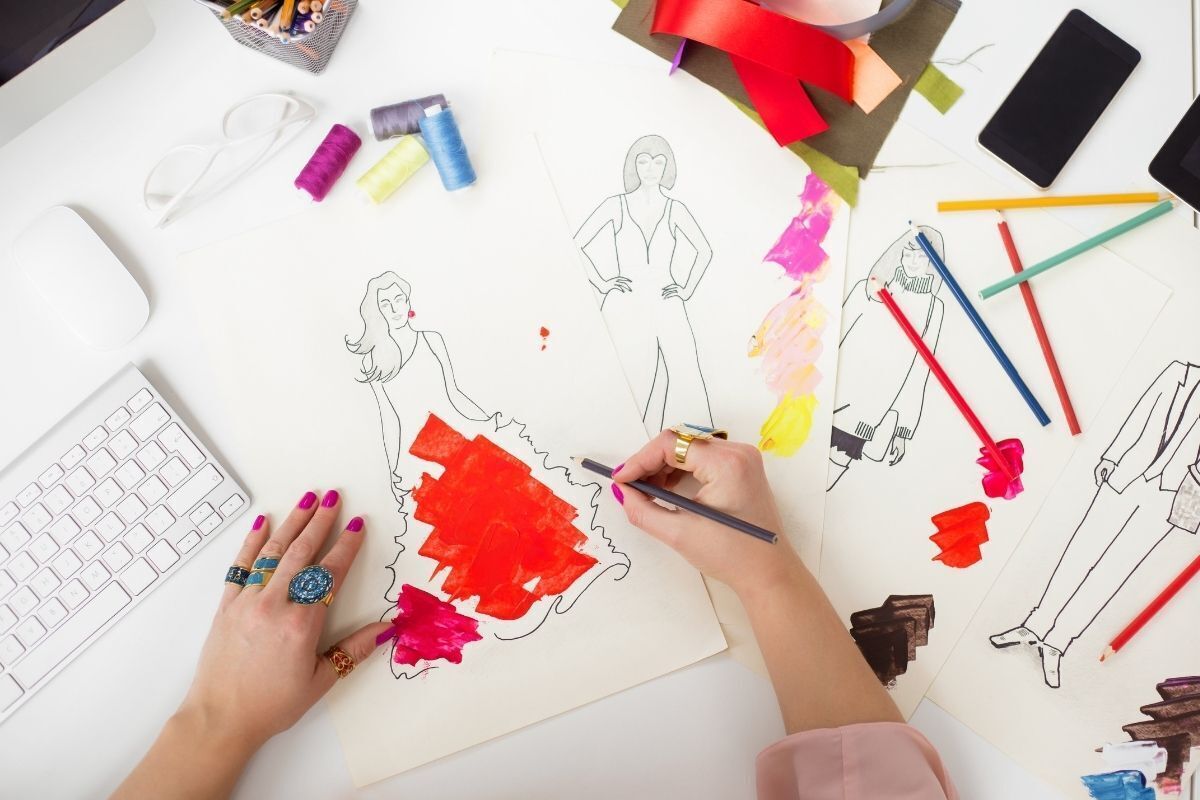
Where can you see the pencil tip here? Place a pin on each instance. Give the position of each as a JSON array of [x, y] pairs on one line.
[[1108, 651]]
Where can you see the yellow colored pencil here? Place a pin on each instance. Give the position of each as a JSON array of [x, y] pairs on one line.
[[999, 203], [287, 14]]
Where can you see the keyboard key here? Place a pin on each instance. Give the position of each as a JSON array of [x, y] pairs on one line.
[[116, 556], [202, 511], [110, 527], [23, 601], [210, 523], [94, 575], [43, 548], [117, 419], [10, 692], [173, 472], [101, 463], [80, 481], [21, 566], [8, 512], [67, 564], [189, 541], [52, 612], [7, 619], [148, 422], [57, 500], [139, 576], [95, 438], [29, 494], [152, 490], [231, 505], [162, 555], [71, 635], [194, 489], [36, 518], [138, 538], [73, 456], [14, 537], [7, 584], [159, 520], [50, 476], [44, 583], [122, 445], [108, 492], [151, 455], [131, 508], [73, 594], [176, 441], [88, 546], [64, 530], [86, 511], [140, 400], [30, 631], [129, 473], [10, 650]]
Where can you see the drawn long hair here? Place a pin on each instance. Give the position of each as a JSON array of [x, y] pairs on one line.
[[653, 146], [382, 358], [884, 270]]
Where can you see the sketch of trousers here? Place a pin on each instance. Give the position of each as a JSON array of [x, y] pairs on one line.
[[1117, 533]]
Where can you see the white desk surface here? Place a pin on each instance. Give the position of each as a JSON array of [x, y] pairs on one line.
[[690, 734]]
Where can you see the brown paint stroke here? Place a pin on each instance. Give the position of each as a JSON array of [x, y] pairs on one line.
[[1174, 723], [889, 635]]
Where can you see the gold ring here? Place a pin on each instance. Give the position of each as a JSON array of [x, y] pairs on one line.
[[686, 433], [342, 662]]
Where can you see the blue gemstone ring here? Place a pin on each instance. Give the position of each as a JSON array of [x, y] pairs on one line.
[[237, 575], [313, 584]]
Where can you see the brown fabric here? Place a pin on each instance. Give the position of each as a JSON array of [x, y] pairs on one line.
[[854, 137]]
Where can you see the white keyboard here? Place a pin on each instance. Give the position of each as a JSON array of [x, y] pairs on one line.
[[93, 516]]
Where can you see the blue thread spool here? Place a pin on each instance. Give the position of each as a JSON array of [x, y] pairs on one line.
[[446, 148]]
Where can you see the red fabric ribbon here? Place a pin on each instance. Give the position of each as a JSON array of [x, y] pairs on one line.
[[771, 54]]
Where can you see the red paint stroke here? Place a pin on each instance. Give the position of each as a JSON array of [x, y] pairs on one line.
[[428, 629], [799, 249], [960, 532], [506, 538], [995, 483], [544, 332]]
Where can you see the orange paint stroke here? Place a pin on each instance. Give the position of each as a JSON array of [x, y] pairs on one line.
[[960, 532]]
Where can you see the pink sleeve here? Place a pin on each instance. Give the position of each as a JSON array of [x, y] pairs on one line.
[[870, 761]]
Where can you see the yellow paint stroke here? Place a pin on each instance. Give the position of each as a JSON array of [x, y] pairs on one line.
[[786, 430]]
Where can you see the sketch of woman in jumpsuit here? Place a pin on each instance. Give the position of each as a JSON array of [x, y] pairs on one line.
[[661, 256], [881, 381]]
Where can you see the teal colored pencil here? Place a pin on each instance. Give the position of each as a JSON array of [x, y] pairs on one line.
[[1082, 247]]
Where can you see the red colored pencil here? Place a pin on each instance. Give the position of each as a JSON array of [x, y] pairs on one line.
[[1035, 317], [1149, 611], [989, 444]]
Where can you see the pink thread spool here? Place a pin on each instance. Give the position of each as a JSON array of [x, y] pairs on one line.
[[328, 162]]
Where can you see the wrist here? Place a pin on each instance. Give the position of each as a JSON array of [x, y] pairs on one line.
[[206, 732], [767, 585]]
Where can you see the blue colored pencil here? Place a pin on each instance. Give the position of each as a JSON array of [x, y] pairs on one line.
[[981, 326]]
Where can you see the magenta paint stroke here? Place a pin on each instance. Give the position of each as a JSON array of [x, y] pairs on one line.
[[799, 249], [995, 482]]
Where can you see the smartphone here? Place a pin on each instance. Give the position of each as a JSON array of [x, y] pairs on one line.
[[1059, 98]]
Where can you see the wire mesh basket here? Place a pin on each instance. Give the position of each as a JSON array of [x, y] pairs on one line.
[[310, 51]]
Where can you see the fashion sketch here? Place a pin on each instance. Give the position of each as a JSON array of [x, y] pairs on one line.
[[412, 377], [646, 256], [1147, 485], [881, 379]]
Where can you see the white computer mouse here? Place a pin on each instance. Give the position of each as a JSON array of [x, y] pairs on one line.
[[81, 279]]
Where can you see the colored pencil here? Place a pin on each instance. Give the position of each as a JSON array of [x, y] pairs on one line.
[[1079, 249], [287, 13], [1149, 611], [686, 503], [989, 444], [997, 203], [1035, 316], [1005, 362]]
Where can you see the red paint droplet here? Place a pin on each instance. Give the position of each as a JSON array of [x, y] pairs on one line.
[[428, 629], [995, 482], [506, 538], [544, 332], [960, 532]]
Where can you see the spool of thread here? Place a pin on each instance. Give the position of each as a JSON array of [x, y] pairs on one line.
[[447, 149], [400, 164], [328, 162], [402, 119]]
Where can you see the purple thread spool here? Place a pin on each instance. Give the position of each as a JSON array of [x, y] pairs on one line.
[[402, 119], [328, 162]]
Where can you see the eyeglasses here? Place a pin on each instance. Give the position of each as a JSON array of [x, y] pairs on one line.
[[251, 132]]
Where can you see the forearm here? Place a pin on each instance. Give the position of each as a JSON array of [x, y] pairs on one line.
[[820, 677]]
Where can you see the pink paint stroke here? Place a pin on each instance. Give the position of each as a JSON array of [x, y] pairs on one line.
[[428, 629], [799, 249], [995, 484]]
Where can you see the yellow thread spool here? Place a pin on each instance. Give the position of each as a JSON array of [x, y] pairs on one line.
[[400, 163]]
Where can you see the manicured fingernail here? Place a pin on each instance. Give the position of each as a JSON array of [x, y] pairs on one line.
[[258, 522], [617, 468], [307, 501], [355, 525], [330, 499], [617, 493]]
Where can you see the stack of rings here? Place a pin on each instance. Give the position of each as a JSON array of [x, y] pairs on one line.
[[260, 574], [313, 584]]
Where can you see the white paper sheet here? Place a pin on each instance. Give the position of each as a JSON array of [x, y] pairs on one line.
[[877, 519], [486, 272], [1002, 693]]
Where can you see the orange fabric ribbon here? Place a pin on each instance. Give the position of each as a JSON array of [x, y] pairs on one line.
[[771, 53]]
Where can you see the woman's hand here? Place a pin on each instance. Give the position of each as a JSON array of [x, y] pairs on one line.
[[619, 283], [684, 293], [732, 480]]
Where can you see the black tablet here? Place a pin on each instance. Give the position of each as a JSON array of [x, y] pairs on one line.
[[1177, 165]]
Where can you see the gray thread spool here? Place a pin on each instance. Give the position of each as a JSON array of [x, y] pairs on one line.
[[402, 119]]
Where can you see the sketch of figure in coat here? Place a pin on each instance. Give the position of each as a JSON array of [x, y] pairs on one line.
[[1148, 484], [660, 256], [881, 379]]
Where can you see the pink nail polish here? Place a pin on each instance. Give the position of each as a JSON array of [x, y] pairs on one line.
[[258, 522], [330, 499], [307, 501], [617, 493], [617, 468], [355, 525]]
